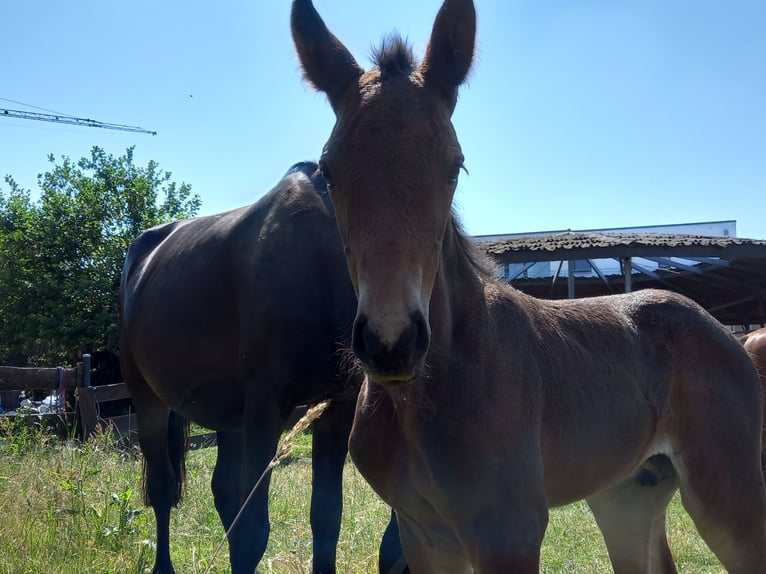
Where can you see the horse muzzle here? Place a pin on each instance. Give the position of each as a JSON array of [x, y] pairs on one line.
[[391, 359]]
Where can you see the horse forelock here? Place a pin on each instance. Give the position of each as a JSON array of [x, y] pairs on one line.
[[394, 57]]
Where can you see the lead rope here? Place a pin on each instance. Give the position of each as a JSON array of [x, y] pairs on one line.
[[283, 451], [61, 389]]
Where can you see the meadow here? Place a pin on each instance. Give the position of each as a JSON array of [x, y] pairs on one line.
[[75, 508]]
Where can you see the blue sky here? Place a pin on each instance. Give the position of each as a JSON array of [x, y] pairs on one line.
[[578, 114]]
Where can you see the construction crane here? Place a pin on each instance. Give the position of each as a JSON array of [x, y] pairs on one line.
[[63, 119]]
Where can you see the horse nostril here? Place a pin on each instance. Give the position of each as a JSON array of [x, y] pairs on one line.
[[422, 334], [363, 341]]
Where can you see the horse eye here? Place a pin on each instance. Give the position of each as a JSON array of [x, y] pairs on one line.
[[453, 174], [325, 173]]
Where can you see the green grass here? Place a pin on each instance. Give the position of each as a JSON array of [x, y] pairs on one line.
[[76, 508]]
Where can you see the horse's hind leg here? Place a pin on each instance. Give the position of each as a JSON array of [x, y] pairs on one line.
[[329, 449], [631, 517], [163, 462], [717, 454], [226, 482]]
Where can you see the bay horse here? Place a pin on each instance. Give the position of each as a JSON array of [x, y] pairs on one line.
[[231, 321], [483, 407], [755, 344]]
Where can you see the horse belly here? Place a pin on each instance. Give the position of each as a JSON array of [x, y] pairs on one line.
[[209, 393], [580, 472], [579, 464], [217, 406]]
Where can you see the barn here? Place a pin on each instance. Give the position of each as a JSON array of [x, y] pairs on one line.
[[723, 273]]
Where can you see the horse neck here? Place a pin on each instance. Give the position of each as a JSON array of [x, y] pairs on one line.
[[458, 303]]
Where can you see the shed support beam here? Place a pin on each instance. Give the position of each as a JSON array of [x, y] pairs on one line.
[[627, 270], [570, 279]]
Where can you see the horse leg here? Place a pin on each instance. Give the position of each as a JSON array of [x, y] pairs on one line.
[[161, 481], [263, 424], [391, 558], [631, 517], [722, 486], [491, 542], [227, 475], [329, 449], [438, 551], [511, 544]]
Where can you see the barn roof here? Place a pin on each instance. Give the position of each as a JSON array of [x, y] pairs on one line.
[[726, 275]]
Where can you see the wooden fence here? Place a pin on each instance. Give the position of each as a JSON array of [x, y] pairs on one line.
[[84, 416], [14, 380]]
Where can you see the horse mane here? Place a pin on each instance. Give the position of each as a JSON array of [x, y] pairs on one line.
[[394, 57], [470, 252]]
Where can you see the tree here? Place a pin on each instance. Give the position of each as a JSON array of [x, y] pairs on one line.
[[61, 256]]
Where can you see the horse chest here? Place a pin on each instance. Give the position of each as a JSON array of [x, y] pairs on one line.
[[414, 470]]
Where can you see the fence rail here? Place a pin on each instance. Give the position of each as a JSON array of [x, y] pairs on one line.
[[88, 399], [34, 378]]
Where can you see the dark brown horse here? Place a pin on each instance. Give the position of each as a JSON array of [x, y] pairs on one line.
[[483, 407], [231, 321]]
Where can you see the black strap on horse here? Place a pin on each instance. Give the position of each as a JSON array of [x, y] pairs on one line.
[[311, 170]]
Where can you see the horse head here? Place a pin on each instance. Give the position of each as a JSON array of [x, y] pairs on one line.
[[391, 164]]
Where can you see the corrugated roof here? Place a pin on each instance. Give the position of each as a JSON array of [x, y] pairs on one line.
[[572, 240], [729, 279]]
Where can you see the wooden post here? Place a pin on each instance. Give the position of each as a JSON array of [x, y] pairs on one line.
[[86, 400], [86, 370], [9, 400]]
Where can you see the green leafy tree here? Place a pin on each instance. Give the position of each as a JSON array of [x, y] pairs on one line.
[[61, 256]]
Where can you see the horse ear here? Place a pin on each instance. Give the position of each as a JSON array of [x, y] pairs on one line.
[[450, 51], [326, 62]]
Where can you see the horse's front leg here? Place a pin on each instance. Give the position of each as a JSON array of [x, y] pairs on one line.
[[509, 542], [329, 449], [263, 424], [490, 545], [391, 557], [506, 527], [499, 511], [431, 550]]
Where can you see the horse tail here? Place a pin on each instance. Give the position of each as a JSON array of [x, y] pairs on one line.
[[178, 445]]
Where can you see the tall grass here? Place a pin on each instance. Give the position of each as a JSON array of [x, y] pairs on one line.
[[75, 508]]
